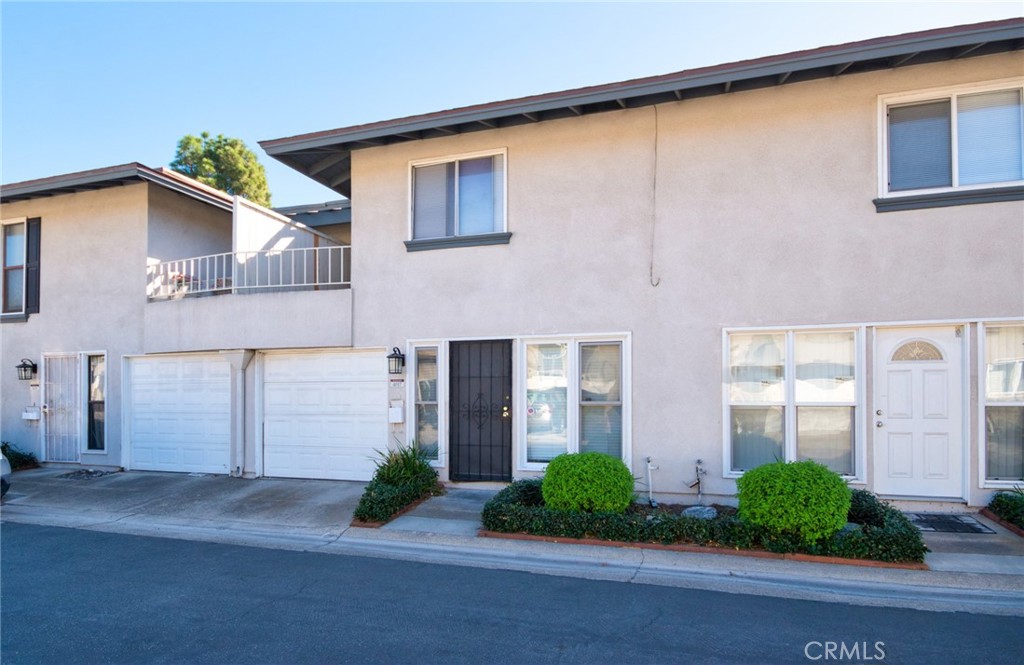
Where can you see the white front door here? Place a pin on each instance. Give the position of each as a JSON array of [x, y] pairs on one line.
[[62, 407], [919, 439]]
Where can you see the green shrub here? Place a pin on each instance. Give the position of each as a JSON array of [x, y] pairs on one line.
[[402, 477], [1009, 505], [588, 482], [17, 458], [885, 534], [400, 466], [866, 508], [520, 508], [795, 502]]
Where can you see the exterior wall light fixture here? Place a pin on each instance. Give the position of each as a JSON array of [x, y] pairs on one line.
[[26, 369], [396, 361]]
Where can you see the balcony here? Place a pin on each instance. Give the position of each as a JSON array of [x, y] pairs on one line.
[[288, 298], [302, 269]]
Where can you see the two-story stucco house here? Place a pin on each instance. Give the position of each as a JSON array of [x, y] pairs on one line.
[[136, 298], [813, 255]]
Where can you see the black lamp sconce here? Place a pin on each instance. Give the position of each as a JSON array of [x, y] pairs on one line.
[[26, 370], [396, 361]]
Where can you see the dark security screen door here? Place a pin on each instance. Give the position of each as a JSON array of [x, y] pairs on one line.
[[481, 410]]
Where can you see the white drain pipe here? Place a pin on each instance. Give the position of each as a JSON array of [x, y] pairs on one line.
[[650, 485]]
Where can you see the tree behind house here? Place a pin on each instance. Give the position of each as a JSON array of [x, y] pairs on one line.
[[222, 162]]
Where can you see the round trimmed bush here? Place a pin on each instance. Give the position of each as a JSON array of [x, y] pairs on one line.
[[588, 482], [802, 500]]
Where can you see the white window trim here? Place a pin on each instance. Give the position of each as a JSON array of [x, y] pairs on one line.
[[572, 428], [410, 231], [518, 390], [934, 94], [24, 269], [789, 406], [983, 481], [442, 396]]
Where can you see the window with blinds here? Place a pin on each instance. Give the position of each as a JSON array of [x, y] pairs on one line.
[[461, 197], [957, 140], [792, 395], [1004, 402]]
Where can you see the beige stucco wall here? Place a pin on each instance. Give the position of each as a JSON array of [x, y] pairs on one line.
[[259, 320], [761, 214], [181, 227], [92, 293]]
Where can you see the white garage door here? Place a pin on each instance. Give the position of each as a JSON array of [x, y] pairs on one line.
[[180, 413], [324, 414]]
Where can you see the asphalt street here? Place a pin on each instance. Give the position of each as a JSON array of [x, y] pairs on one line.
[[76, 596]]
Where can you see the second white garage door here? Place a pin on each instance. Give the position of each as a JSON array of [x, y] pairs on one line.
[[324, 414], [180, 413]]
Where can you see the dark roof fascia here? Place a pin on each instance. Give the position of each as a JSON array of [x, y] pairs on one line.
[[829, 56], [314, 207], [319, 214], [112, 176]]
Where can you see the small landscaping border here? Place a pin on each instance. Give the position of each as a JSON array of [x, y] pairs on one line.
[[704, 549], [376, 525], [1009, 526], [879, 533]]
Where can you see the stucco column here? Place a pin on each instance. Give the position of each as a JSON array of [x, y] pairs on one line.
[[239, 360]]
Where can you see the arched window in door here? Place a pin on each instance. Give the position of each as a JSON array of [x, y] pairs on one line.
[[917, 350]]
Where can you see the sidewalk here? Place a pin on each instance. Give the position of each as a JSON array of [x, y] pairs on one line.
[[980, 573]]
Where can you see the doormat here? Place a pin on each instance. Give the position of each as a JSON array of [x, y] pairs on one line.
[[936, 523], [84, 474]]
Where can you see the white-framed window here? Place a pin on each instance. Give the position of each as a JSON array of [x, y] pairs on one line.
[[792, 395], [461, 196], [426, 390], [12, 276], [575, 395], [96, 395], [961, 138], [1002, 403]]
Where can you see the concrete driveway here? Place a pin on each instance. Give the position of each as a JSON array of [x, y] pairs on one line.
[[321, 506]]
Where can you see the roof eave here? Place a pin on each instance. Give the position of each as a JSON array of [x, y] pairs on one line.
[[830, 61]]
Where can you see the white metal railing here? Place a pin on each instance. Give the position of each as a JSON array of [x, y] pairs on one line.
[[308, 268]]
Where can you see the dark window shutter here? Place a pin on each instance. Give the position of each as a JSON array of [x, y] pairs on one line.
[[32, 233]]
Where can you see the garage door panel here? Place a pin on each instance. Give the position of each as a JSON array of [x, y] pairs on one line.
[[180, 413], [325, 414]]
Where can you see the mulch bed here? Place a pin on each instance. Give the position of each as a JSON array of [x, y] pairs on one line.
[[1009, 526], [376, 525]]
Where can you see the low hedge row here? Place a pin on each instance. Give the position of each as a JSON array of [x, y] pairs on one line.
[[402, 476], [380, 500], [885, 535], [1009, 506]]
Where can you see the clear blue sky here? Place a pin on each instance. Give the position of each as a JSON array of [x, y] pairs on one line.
[[89, 85]]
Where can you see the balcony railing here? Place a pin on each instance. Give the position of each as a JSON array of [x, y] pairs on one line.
[[304, 269]]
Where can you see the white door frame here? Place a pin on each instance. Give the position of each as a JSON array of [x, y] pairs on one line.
[[878, 369]]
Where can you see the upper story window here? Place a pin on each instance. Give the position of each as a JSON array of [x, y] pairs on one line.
[[12, 281], [947, 142], [19, 268], [458, 201]]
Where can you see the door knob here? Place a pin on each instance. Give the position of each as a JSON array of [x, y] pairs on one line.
[[504, 412], [878, 413], [879, 424]]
